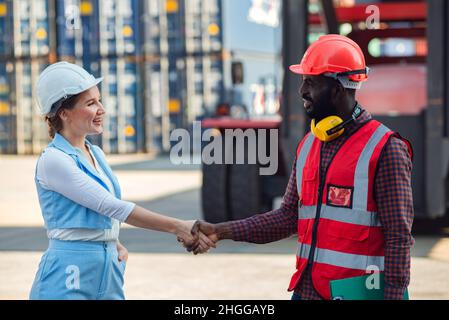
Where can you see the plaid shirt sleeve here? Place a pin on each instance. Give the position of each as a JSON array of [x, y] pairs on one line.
[[393, 194], [274, 225]]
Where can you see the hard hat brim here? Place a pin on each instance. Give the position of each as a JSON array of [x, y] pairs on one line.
[[299, 69], [93, 84], [296, 68]]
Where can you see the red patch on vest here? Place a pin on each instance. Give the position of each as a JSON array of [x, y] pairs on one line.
[[338, 196]]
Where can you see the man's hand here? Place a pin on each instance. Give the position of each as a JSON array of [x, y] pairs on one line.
[[209, 231], [192, 239]]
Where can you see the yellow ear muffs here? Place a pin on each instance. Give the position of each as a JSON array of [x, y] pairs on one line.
[[320, 130]]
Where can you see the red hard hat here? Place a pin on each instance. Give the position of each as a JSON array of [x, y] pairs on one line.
[[335, 55]]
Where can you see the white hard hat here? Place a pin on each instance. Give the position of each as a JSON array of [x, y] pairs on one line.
[[58, 82]]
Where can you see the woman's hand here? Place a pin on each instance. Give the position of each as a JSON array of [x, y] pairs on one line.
[[122, 252], [187, 232]]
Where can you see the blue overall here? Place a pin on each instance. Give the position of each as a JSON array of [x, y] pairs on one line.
[[78, 269]]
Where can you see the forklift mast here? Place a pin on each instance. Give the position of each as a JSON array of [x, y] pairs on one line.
[[436, 130], [295, 30]]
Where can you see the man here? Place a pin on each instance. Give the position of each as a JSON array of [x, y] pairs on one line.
[[349, 196]]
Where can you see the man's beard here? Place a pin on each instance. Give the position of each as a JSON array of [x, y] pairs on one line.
[[321, 108]]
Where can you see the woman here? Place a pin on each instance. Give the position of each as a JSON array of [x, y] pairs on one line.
[[80, 197]]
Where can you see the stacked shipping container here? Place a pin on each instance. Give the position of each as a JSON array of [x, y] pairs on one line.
[[26, 48], [103, 36], [183, 64], [163, 61]]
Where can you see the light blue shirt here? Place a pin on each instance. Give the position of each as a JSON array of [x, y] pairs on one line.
[[75, 185]]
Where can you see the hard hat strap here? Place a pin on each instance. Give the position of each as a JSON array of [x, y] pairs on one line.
[[359, 71], [343, 78], [335, 75]]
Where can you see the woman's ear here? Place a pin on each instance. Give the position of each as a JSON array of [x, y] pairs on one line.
[[64, 115]]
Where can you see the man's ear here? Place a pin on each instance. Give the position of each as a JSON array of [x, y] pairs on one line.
[[337, 92]]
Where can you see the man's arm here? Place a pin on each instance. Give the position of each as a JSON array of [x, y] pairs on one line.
[[393, 194], [267, 227]]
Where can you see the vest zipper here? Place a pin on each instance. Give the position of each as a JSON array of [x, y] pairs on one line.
[[315, 223], [317, 213], [320, 196]]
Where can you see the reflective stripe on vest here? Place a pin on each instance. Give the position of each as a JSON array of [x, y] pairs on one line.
[[354, 216], [361, 180], [301, 160], [341, 259]]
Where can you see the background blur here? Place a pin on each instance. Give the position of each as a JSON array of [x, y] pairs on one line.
[[167, 63]]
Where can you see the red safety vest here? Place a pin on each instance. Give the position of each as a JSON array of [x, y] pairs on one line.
[[337, 218]]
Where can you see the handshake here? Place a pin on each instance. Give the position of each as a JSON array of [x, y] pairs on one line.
[[201, 238]]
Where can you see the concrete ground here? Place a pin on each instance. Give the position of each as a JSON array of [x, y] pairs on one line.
[[158, 268]]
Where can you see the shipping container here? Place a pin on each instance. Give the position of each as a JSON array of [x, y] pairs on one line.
[[6, 27], [29, 129], [105, 28], [119, 27], [179, 90], [216, 35], [154, 29], [7, 116], [204, 83], [189, 47], [77, 29], [121, 94], [157, 104], [26, 27], [181, 26], [24, 131], [163, 27], [203, 26], [176, 91]]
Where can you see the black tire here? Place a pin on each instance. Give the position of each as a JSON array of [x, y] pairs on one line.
[[245, 191], [214, 193]]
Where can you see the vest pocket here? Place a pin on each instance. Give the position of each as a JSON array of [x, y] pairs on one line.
[[309, 185]]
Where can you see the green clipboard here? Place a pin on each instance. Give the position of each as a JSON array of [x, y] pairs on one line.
[[356, 289]]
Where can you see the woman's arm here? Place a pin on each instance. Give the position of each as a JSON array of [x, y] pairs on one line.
[[58, 172], [186, 231]]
